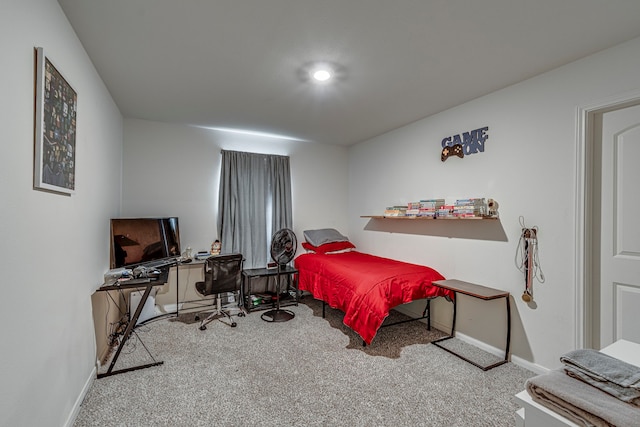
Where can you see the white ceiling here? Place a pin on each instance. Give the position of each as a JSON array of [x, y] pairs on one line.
[[239, 63]]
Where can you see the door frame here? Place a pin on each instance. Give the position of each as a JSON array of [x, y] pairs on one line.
[[585, 284]]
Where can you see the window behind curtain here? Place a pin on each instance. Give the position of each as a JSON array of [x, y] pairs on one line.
[[254, 202]]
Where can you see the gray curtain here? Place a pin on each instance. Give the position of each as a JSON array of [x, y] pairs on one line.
[[254, 202]]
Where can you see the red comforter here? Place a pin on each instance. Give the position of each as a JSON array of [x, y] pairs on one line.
[[365, 287]]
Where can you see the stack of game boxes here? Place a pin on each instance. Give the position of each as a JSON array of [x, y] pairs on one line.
[[445, 211], [436, 208], [395, 211], [469, 208], [429, 207], [413, 209]]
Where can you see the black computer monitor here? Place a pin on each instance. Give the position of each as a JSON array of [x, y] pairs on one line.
[[136, 241]]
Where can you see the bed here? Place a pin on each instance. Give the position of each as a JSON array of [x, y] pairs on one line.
[[365, 287]]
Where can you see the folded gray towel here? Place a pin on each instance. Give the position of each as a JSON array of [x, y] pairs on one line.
[[626, 394], [611, 375], [579, 402]]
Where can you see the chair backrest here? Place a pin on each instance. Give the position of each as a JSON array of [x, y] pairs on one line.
[[222, 273]]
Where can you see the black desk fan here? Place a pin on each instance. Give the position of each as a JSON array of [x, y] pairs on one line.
[[283, 248]]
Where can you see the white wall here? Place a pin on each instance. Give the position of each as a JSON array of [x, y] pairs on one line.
[[55, 248], [529, 166], [172, 169]]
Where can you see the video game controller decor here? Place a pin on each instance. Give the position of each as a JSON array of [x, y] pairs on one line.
[[454, 150], [460, 145]]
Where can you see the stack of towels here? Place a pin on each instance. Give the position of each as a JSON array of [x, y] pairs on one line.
[[591, 389]]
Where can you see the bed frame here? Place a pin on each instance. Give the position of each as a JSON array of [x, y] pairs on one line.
[[366, 287], [426, 314]]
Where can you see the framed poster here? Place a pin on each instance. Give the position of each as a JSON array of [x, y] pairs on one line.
[[55, 129]]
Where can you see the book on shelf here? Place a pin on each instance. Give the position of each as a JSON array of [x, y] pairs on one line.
[[431, 203], [471, 201], [470, 207], [445, 211], [429, 213], [395, 211]]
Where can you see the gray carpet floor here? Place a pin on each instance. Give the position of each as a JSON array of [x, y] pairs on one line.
[[308, 371]]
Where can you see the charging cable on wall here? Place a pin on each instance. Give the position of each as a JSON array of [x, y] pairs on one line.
[[527, 260]]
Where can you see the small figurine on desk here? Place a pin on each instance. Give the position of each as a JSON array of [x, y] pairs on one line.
[[215, 248], [187, 255]]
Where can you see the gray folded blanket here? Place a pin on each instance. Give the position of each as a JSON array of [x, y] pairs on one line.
[[579, 402], [611, 375]]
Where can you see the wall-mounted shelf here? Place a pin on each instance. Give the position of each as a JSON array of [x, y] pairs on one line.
[[427, 218], [479, 228]]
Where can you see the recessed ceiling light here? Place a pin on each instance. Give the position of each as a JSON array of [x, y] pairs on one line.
[[321, 75]]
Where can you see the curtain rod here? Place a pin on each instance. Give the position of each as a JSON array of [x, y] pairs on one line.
[[256, 154]]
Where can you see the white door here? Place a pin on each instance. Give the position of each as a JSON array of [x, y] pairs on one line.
[[620, 226]]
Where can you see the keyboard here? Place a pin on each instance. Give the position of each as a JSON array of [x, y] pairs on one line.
[[160, 263], [138, 281]]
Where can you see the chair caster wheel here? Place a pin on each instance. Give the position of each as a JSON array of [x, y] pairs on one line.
[[196, 318], [234, 324], [202, 328], [241, 314]]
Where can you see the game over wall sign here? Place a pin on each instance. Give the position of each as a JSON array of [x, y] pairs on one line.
[[463, 144]]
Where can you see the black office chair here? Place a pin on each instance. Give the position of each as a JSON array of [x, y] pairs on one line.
[[222, 274]]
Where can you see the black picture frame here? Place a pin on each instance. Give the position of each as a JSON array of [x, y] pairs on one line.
[[55, 129]]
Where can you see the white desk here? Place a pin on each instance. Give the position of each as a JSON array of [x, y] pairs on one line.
[[533, 414]]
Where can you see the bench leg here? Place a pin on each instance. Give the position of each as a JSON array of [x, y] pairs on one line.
[[506, 352]]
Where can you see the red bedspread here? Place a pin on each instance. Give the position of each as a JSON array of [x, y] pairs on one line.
[[365, 287]]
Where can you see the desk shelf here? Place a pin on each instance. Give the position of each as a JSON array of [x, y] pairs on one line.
[[286, 299], [289, 274]]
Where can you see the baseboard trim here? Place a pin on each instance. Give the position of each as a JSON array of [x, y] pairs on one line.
[[534, 367], [71, 419], [480, 344]]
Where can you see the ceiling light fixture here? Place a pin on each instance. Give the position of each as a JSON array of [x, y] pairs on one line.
[[321, 75]]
